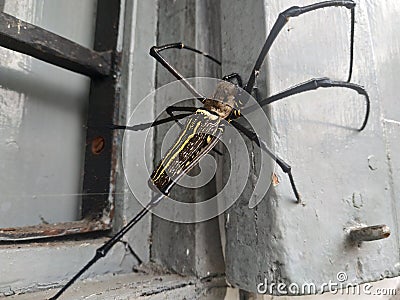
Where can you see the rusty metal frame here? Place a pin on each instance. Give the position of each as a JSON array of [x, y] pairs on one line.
[[102, 65]]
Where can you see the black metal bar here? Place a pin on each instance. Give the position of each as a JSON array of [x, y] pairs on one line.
[[37, 42], [101, 149]]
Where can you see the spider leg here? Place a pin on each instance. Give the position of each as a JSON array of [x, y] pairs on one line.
[[144, 126], [286, 168], [106, 247], [155, 52], [314, 84], [171, 109], [283, 19]]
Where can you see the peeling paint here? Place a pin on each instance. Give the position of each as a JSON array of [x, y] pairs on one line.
[[275, 179], [50, 230]]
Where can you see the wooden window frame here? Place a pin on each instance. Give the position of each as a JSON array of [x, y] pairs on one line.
[[102, 66]]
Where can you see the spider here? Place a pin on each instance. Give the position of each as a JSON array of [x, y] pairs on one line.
[[204, 125]]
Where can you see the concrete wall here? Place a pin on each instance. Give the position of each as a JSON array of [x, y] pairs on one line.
[[199, 249], [286, 242]]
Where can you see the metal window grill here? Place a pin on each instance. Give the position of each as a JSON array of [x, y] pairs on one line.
[[101, 65]]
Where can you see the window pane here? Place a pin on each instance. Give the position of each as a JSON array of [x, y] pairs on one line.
[[42, 117]]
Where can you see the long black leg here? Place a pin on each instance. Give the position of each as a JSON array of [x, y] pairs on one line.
[[353, 21], [180, 45], [283, 19], [103, 250], [172, 117], [171, 109], [286, 168], [313, 84], [155, 52], [144, 126]]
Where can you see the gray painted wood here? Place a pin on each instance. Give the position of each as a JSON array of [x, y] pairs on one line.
[[283, 241], [190, 249], [137, 81]]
